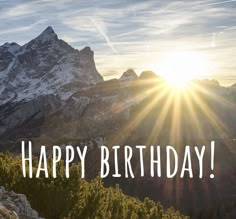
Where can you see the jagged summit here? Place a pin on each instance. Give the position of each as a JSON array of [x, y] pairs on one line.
[[148, 75], [48, 30], [9, 44], [45, 65], [129, 75], [9, 48], [47, 35], [86, 51]]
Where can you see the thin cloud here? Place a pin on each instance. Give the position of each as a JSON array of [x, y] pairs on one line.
[[102, 32], [216, 3], [128, 27], [22, 28]]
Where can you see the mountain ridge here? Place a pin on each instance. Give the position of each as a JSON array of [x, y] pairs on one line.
[[52, 94], [45, 65], [47, 77]]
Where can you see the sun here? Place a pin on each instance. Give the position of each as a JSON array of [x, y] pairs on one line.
[[178, 68]]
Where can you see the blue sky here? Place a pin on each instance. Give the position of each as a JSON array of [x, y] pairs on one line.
[[131, 34]]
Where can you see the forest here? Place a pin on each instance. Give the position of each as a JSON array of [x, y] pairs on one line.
[[76, 198]]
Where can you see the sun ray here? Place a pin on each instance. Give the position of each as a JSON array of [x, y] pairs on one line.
[[141, 115], [175, 120], [215, 122], [214, 96], [192, 111], [161, 119]]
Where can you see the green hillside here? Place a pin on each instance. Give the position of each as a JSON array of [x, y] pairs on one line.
[[75, 198]]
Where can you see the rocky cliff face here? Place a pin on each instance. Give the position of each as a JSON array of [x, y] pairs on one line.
[[45, 65], [38, 78], [129, 75], [15, 206], [46, 81]]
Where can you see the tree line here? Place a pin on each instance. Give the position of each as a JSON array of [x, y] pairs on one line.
[[75, 198]]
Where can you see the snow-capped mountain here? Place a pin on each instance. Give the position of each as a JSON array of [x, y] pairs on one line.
[[49, 89], [46, 81], [45, 65], [51, 93]]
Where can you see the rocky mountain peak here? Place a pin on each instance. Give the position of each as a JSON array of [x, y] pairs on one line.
[[10, 47], [7, 45], [49, 30], [87, 55], [47, 35], [129, 75], [47, 38], [86, 51], [45, 65], [148, 75]]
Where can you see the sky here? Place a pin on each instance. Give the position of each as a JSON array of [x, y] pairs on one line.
[[132, 34]]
